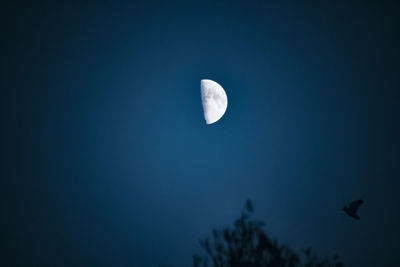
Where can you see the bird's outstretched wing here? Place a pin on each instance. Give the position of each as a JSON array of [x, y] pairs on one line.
[[355, 205]]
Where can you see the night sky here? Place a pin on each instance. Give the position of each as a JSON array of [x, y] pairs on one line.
[[107, 159]]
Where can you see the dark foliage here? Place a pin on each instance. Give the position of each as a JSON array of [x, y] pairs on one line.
[[247, 245]]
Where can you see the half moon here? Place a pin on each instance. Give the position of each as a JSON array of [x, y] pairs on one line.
[[214, 100]]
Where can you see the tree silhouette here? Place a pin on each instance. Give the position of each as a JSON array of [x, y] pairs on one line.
[[247, 245]]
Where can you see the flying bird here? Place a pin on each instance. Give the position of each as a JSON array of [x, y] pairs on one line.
[[351, 210]]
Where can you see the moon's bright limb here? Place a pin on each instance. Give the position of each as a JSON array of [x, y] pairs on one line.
[[214, 100]]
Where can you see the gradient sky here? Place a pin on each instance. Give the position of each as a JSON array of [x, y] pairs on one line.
[[107, 157]]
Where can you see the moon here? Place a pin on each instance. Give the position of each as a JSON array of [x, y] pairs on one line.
[[214, 100]]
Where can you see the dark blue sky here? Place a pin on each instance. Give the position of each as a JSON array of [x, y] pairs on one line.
[[107, 157]]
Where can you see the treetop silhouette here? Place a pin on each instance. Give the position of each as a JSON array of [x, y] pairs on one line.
[[247, 245]]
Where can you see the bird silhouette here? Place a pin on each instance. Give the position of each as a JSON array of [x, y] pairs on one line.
[[352, 208]]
